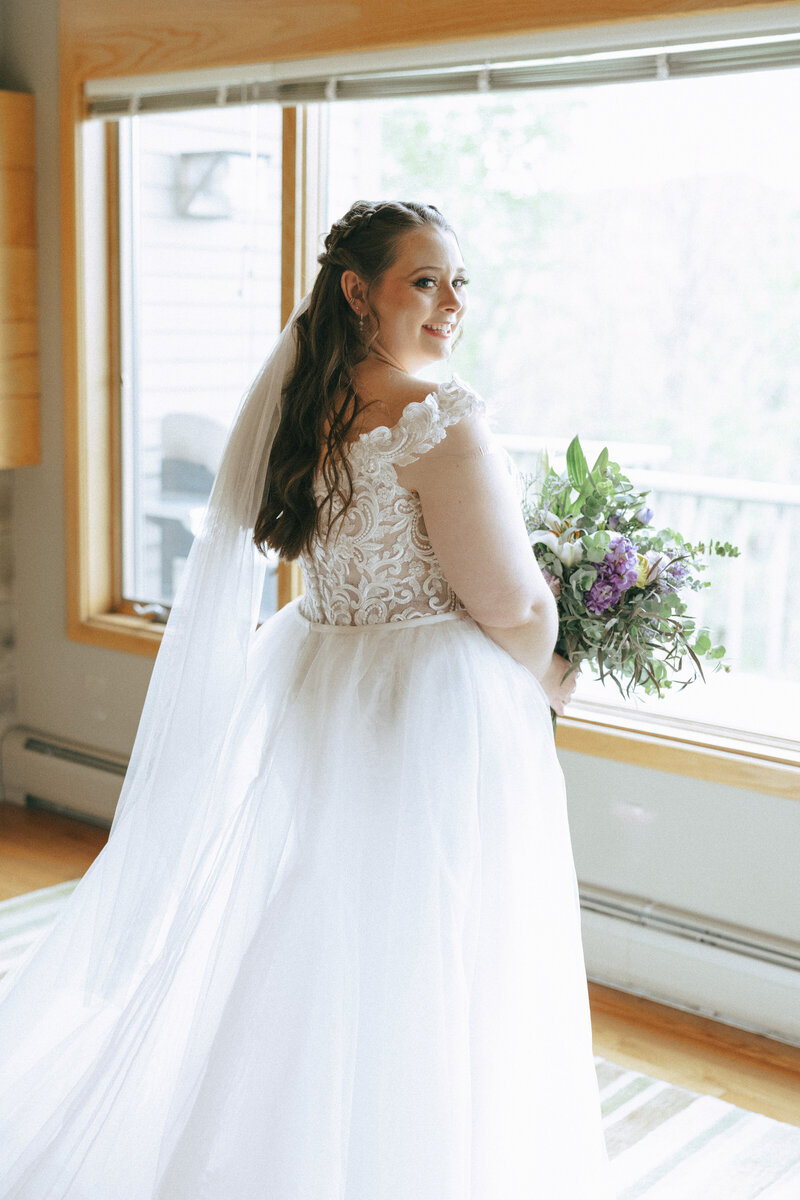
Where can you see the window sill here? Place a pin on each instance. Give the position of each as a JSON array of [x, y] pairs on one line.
[[682, 750], [119, 631]]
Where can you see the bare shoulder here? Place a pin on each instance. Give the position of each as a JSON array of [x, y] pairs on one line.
[[385, 393]]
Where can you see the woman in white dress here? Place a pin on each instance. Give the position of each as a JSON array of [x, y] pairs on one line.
[[332, 949]]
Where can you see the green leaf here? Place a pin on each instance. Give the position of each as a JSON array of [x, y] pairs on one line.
[[601, 463], [703, 643], [577, 466], [596, 544]]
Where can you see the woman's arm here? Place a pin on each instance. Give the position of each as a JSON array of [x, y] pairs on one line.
[[474, 521]]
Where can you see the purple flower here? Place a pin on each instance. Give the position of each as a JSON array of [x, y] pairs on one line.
[[553, 582], [618, 571], [645, 515], [675, 574], [613, 521], [601, 596]]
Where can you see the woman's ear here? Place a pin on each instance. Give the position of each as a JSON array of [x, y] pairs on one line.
[[355, 292]]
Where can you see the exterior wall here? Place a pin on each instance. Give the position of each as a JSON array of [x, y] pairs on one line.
[[207, 306]]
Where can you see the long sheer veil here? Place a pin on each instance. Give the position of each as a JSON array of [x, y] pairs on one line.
[[98, 977]]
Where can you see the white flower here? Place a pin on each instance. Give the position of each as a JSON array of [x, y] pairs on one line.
[[561, 537]]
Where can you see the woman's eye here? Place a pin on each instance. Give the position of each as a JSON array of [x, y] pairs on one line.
[[428, 281]]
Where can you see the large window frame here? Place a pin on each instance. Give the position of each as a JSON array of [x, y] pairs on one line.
[[97, 612]]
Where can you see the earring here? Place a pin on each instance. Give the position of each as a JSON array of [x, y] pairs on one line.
[[360, 322]]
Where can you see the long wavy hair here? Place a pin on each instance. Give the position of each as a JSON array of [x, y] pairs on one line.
[[320, 402]]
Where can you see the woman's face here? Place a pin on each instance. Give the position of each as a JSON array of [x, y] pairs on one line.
[[420, 300]]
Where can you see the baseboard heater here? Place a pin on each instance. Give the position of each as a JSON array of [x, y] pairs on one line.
[[40, 771], [695, 928]]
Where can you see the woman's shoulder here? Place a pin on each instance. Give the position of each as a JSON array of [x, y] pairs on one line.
[[417, 416], [386, 396], [383, 397]]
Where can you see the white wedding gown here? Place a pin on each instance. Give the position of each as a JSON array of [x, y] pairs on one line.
[[380, 994]]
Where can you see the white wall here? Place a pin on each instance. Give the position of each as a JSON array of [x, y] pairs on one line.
[[721, 860]]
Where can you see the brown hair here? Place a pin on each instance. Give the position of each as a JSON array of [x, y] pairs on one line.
[[319, 403]]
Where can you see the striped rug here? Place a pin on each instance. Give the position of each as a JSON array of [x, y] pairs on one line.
[[664, 1143]]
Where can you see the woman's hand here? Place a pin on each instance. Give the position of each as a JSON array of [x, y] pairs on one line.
[[559, 683]]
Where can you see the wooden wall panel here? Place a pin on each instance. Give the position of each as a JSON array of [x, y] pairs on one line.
[[139, 36], [17, 142], [19, 363], [18, 283], [17, 206]]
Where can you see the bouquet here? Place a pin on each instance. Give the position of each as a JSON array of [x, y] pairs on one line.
[[620, 584]]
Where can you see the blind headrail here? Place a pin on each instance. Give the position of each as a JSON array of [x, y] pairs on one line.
[[564, 70]]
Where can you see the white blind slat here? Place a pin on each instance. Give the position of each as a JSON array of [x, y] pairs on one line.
[[565, 71]]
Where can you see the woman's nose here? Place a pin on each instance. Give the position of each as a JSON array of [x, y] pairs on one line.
[[451, 300]]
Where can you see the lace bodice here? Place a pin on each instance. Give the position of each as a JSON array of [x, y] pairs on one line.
[[378, 565]]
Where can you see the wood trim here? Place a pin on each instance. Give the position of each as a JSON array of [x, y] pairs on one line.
[[132, 37], [20, 444], [17, 206], [96, 611], [18, 143], [91, 375], [119, 631], [290, 582], [96, 440], [114, 351], [72, 324], [291, 210], [747, 765], [20, 431], [300, 201]]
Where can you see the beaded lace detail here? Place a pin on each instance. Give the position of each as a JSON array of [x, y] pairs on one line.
[[379, 565]]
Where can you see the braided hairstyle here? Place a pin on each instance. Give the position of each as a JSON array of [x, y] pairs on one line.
[[320, 403]]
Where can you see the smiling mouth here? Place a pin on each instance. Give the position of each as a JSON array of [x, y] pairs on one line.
[[442, 331]]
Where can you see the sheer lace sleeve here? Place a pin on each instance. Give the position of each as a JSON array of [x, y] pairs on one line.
[[422, 426], [471, 509]]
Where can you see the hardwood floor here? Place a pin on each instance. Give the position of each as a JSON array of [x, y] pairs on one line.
[[38, 849], [693, 1052]]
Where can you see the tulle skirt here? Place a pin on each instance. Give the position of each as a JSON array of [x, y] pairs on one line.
[[379, 991]]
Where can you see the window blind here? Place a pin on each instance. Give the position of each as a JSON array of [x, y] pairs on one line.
[[676, 61]]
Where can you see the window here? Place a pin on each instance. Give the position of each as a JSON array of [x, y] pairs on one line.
[[200, 273], [633, 240], [634, 251]]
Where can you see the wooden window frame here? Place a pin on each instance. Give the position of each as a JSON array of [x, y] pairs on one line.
[[96, 612]]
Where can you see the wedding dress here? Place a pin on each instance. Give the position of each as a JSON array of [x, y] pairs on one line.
[[365, 981]]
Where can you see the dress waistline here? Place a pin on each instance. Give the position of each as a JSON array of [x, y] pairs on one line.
[[406, 623]]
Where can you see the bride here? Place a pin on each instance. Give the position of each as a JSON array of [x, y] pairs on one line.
[[332, 949]]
